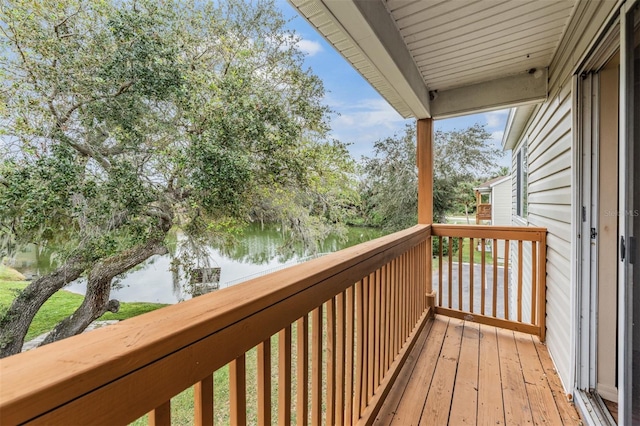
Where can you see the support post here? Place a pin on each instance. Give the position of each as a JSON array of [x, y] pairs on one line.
[[424, 158], [425, 170]]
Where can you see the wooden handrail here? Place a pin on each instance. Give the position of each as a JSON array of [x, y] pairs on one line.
[[507, 238], [116, 374]]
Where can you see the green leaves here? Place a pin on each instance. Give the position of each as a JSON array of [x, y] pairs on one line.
[[131, 115], [391, 179]]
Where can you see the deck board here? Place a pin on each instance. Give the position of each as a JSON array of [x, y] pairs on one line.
[[465, 373], [490, 404], [464, 407], [514, 393], [543, 406], [438, 406], [408, 412]]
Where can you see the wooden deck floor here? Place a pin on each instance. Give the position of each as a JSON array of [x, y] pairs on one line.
[[465, 373]]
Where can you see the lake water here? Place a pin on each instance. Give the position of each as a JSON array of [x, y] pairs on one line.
[[257, 251]]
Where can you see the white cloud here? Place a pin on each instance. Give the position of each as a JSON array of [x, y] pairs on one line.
[[496, 118], [309, 47], [497, 135], [364, 122]]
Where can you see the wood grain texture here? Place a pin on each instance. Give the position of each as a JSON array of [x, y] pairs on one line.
[[517, 410], [161, 415], [490, 404], [302, 371], [543, 406], [414, 386], [203, 402], [238, 391], [438, 403], [498, 367], [264, 382], [464, 405], [424, 157], [284, 376]]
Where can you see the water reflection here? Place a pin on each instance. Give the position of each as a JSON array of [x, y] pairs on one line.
[[254, 252]]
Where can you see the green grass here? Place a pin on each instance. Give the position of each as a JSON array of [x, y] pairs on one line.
[[62, 304], [10, 274], [466, 256]]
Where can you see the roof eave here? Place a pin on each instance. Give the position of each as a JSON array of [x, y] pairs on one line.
[[516, 125]]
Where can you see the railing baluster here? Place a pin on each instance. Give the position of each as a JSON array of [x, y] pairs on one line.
[[360, 345], [450, 258], [330, 360], [370, 337], [161, 415], [203, 401], [316, 365], [483, 271], [439, 271], [506, 279], [302, 372], [394, 313], [384, 285], [494, 246], [471, 267], [340, 358], [404, 299], [460, 248], [264, 383], [349, 345], [534, 281], [284, 376], [398, 307], [520, 267], [238, 391], [542, 287], [378, 333]]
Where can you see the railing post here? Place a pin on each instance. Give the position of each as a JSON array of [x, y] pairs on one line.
[[542, 287], [424, 158]]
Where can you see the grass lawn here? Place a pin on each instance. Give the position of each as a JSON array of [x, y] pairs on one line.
[[466, 256], [62, 304]]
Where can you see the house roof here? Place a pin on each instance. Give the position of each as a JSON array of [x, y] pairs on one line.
[[434, 58], [492, 182]]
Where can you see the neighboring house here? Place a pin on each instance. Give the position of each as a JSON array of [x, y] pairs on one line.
[[498, 193]]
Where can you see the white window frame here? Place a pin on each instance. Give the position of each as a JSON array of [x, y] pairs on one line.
[[522, 179]]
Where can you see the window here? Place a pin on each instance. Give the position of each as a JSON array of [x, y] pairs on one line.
[[521, 181]]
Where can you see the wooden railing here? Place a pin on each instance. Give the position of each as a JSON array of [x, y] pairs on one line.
[[344, 325], [482, 273]]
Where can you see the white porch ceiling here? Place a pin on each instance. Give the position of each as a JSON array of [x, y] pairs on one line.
[[439, 58]]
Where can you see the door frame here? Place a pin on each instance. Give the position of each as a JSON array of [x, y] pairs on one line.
[[585, 307], [625, 266]]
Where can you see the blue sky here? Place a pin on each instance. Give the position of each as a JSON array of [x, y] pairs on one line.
[[362, 115]]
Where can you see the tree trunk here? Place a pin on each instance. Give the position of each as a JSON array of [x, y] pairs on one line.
[[15, 322], [466, 212], [96, 301]]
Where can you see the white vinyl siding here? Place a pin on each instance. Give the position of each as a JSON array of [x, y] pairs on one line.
[[501, 204], [549, 205], [550, 157]]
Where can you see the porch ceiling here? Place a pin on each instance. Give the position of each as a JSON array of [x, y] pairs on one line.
[[435, 58]]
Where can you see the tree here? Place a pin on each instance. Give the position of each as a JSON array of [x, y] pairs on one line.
[[465, 196], [391, 176], [124, 119]]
